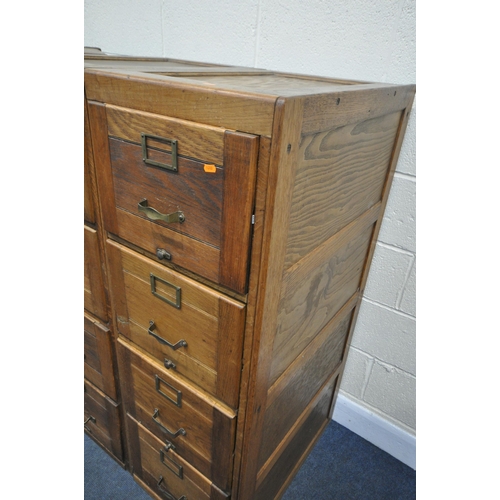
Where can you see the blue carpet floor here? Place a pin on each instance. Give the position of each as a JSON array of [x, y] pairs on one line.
[[342, 466]]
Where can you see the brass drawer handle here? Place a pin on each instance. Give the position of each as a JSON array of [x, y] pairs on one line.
[[167, 493], [153, 214], [181, 431], [170, 142], [181, 343], [179, 470]]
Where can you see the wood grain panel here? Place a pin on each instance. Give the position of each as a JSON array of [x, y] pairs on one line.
[[282, 164], [230, 351], [340, 175], [193, 140], [260, 200], [106, 429], [186, 252], [100, 146], [193, 191], [196, 413], [94, 293], [305, 378], [353, 104], [192, 484], [312, 296], [162, 95], [279, 476], [98, 356], [89, 205], [211, 323], [240, 163]]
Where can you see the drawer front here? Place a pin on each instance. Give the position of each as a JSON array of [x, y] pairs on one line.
[[181, 187], [94, 295], [102, 420], [162, 469], [189, 328], [98, 359], [201, 429]]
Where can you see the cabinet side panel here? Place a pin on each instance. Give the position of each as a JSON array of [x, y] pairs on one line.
[[340, 175], [282, 472], [341, 187]]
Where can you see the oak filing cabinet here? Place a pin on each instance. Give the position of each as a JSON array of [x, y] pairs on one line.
[[231, 218]]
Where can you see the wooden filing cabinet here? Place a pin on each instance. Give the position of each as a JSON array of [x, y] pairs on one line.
[[102, 419], [239, 213]]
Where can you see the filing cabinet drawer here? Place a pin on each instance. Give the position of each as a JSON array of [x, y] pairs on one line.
[[189, 328], [102, 419], [164, 471], [98, 360], [167, 166], [201, 428], [181, 187], [94, 295]]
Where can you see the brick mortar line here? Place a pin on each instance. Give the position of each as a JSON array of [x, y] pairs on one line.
[[389, 246], [407, 177], [388, 308], [385, 364]]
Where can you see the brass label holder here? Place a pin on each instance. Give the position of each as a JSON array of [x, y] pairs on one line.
[[177, 289], [170, 142]]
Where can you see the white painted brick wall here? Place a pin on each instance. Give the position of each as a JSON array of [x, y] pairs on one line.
[[359, 39]]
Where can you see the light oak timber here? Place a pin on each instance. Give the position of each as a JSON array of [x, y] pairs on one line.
[[312, 158], [104, 370], [258, 232], [186, 252], [237, 111], [196, 277], [283, 160], [94, 292], [306, 306], [192, 484], [90, 202], [191, 190], [264, 83], [353, 104], [388, 181], [99, 356], [196, 413], [106, 429], [240, 161], [194, 140], [324, 391], [304, 437], [149, 465], [311, 370], [211, 323], [317, 286], [100, 144], [340, 175], [125, 181], [305, 357]]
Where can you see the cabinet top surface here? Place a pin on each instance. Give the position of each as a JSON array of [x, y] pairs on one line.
[[238, 79]]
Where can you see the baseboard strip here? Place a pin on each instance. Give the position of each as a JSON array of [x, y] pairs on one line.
[[384, 434]]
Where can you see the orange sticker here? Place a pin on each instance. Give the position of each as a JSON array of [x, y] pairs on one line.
[[210, 169]]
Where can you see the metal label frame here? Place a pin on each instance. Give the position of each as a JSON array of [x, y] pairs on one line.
[[177, 303]]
